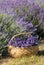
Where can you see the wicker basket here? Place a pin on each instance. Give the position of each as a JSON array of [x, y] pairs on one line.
[[20, 51]]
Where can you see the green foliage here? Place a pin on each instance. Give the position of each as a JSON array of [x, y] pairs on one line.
[[29, 18], [8, 28], [35, 21]]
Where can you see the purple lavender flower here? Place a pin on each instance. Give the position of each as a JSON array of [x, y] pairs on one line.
[[30, 25], [30, 41]]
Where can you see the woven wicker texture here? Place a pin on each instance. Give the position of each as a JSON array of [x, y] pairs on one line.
[[17, 52]]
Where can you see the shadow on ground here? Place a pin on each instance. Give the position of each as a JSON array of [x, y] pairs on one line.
[[41, 53]]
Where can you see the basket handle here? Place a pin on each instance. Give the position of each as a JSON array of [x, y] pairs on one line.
[[27, 33]]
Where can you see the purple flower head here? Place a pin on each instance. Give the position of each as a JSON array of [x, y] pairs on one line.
[[30, 25]]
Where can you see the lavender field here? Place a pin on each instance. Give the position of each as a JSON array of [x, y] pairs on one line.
[[16, 17]]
